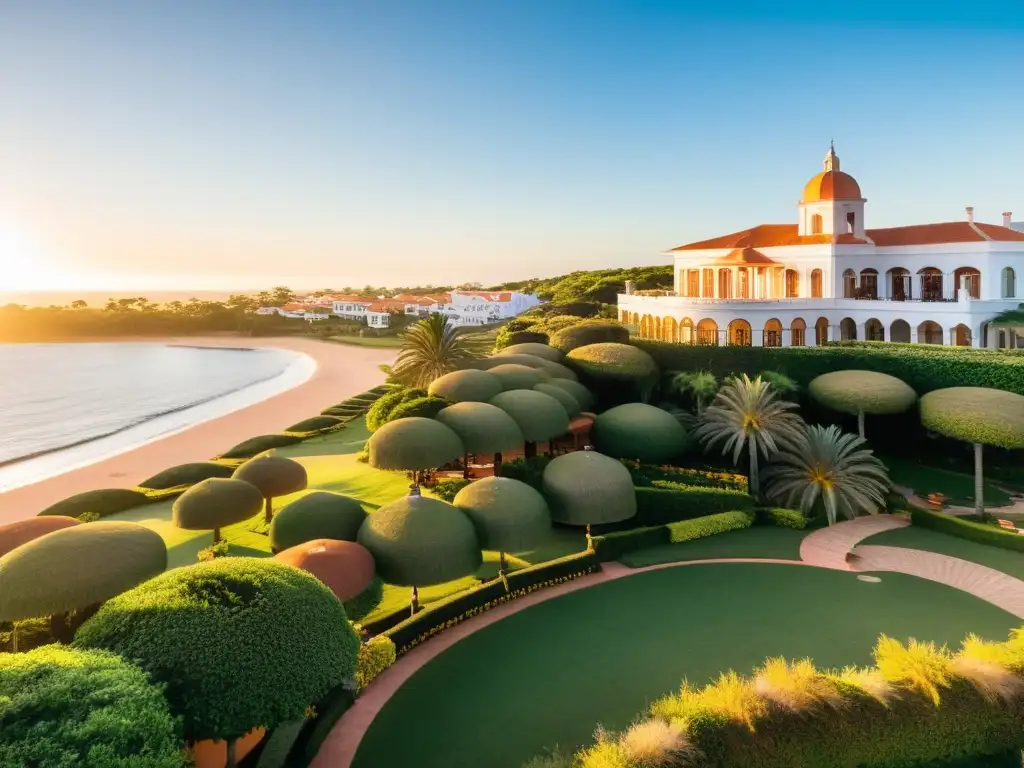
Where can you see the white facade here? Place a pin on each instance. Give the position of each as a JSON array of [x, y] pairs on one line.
[[830, 278]]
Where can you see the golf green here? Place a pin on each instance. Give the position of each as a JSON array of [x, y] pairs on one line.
[[548, 675]]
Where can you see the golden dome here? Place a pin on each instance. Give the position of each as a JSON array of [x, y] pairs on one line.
[[832, 185]]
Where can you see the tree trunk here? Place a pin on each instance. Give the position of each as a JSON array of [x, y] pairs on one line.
[[755, 483], [979, 483], [232, 759], [465, 467], [497, 464], [14, 637], [268, 510], [502, 564], [530, 450], [590, 543], [415, 600], [860, 423], [216, 535]]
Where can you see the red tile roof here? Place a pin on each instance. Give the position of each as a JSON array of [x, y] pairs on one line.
[[769, 235], [745, 256]]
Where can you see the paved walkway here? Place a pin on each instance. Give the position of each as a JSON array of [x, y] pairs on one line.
[[834, 547], [1016, 508]]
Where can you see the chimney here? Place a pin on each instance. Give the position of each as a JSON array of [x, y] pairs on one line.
[[970, 213], [630, 287], [1007, 218]]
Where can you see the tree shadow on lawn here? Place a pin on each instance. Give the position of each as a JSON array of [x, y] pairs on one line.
[[957, 487]]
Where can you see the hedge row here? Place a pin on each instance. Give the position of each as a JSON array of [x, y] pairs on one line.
[[611, 546], [446, 613], [925, 367], [658, 506], [650, 475], [918, 706], [980, 533], [783, 518]]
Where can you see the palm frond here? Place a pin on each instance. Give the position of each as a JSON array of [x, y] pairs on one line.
[[431, 348]]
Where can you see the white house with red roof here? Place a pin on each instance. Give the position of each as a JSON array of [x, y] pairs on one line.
[[829, 277]]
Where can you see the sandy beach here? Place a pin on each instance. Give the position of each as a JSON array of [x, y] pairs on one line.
[[342, 371]]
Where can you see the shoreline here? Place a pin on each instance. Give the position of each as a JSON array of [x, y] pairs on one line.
[[340, 371]]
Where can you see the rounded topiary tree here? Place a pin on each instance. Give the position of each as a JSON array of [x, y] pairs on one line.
[[75, 569], [588, 488], [315, 424], [13, 535], [589, 332], [616, 363], [513, 376], [540, 417], [509, 516], [345, 567], [976, 415], [186, 474], [413, 445], [102, 502], [257, 445], [583, 395], [642, 432], [421, 407], [482, 428], [274, 476], [469, 385], [861, 392], [547, 368], [537, 350], [216, 503], [317, 515], [379, 413], [418, 542], [570, 403], [65, 707], [238, 642]]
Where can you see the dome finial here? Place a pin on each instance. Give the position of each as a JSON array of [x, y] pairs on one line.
[[831, 159]]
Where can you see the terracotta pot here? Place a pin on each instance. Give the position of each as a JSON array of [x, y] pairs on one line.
[[214, 754]]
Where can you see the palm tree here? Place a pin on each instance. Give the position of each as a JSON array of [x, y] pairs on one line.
[[827, 465], [431, 348], [749, 414], [702, 387]]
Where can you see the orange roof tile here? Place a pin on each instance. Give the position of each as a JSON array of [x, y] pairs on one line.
[[832, 185], [745, 256], [761, 236], [997, 232]]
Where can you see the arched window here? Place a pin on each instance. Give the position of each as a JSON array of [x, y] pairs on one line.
[[797, 330], [849, 284], [900, 331], [929, 332], [821, 331], [1009, 283], [816, 226], [707, 333], [931, 284], [868, 284], [851, 223], [739, 333], [874, 330], [686, 331], [962, 336], [971, 277], [848, 329], [792, 283], [816, 284], [625, 316], [900, 284], [670, 330], [772, 334]]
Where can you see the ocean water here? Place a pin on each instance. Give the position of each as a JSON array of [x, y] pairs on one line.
[[64, 406]]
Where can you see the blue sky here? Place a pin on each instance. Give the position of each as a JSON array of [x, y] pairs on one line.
[[233, 145]]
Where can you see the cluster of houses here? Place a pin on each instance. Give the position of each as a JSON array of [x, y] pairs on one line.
[[463, 308]]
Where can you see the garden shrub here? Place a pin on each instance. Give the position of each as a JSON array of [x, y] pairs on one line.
[[103, 502], [239, 642], [344, 567], [315, 424], [783, 518], [980, 533], [698, 528], [421, 407], [617, 362], [539, 416], [529, 471], [658, 506], [851, 391], [220, 549], [317, 515], [216, 503], [279, 742], [610, 546], [446, 613], [468, 385], [13, 535], [924, 367], [505, 340], [509, 516], [582, 334], [273, 476], [365, 602], [667, 476], [447, 489], [537, 350], [415, 443], [255, 445], [186, 474], [380, 412], [514, 376], [64, 707], [375, 656], [976, 415], [77, 567], [640, 431], [918, 706], [589, 488], [542, 366], [482, 427], [583, 395]]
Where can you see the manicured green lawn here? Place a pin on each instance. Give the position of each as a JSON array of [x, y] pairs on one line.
[[331, 465], [957, 487], [759, 541], [548, 675], [367, 341], [914, 537]]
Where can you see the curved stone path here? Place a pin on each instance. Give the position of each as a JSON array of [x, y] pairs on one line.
[[834, 547], [1016, 508]]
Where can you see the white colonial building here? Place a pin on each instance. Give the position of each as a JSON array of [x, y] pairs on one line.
[[828, 277]]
